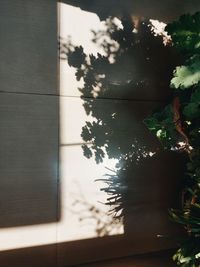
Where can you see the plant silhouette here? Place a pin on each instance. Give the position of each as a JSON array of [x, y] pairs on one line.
[[135, 60]]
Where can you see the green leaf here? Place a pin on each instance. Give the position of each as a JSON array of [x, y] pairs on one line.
[[197, 256], [186, 76], [185, 260], [185, 32]]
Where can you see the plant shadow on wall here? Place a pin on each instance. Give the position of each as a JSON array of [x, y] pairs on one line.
[[88, 212], [136, 64]]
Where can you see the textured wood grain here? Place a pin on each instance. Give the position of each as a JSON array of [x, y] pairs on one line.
[[28, 159], [28, 48]]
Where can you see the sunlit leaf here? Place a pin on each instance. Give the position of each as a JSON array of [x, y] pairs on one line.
[[187, 76]]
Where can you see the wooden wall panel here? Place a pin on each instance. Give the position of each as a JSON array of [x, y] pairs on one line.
[[29, 154], [29, 132], [28, 49]]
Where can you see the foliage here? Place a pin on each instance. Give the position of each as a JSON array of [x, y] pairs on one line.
[[162, 125], [131, 59], [131, 62], [181, 123], [187, 76], [185, 33], [118, 191], [188, 254]]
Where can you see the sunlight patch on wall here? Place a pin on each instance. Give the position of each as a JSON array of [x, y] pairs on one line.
[[78, 27], [84, 214]]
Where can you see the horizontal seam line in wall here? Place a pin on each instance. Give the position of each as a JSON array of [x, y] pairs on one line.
[[23, 93], [118, 99], [76, 144], [92, 98]]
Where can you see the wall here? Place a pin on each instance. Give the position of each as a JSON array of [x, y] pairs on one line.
[[29, 114], [40, 127]]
